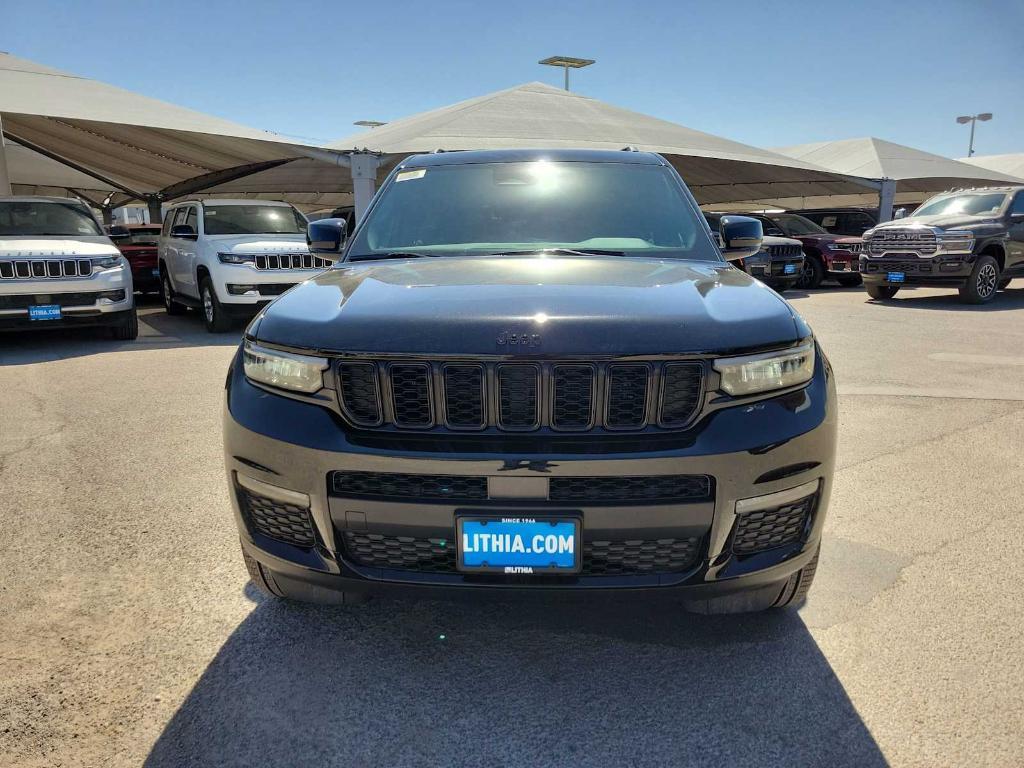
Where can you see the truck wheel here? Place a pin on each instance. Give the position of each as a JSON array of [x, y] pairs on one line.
[[795, 591], [214, 315], [126, 329], [881, 292], [171, 307], [281, 587], [982, 284], [813, 273], [850, 281]]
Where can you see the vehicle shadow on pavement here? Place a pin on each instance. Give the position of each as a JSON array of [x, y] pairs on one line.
[[157, 330], [511, 684], [1011, 298]]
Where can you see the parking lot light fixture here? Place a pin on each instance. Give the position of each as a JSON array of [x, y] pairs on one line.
[[567, 63], [369, 123], [973, 119]]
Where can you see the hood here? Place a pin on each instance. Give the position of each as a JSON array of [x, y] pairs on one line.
[[943, 220], [575, 305], [14, 246], [259, 243], [774, 240]]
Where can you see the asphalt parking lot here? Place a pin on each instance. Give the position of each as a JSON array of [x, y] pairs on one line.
[[130, 636]]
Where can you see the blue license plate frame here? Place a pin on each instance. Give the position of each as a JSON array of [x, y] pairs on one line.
[[469, 557], [896, 277], [44, 312]]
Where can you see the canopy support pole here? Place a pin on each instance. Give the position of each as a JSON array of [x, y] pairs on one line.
[[156, 215], [5, 176], [364, 180], [886, 198]]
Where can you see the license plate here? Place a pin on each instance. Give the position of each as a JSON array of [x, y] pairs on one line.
[[44, 312], [895, 277], [758, 270], [518, 545], [156, 271], [789, 269]]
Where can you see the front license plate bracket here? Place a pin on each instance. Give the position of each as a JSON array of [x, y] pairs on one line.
[[519, 543]]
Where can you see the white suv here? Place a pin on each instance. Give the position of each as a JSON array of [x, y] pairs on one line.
[[57, 268], [231, 257]]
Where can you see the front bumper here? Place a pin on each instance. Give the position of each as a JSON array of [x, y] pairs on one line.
[[771, 447], [243, 286], [774, 273], [936, 271], [83, 301]]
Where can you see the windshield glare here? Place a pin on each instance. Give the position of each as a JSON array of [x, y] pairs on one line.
[[969, 204], [39, 218], [791, 224], [529, 206], [253, 220]]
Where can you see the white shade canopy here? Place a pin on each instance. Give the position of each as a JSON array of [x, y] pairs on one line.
[[536, 115], [35, 174], [1010, 165]]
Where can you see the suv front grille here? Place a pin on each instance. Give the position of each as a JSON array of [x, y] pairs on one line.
[[785, 251], [289, 261], [765, 529], [921, 241], [600, 558], [631, 490], [517, 397], [285, 522], [24, 301], [42, 269]]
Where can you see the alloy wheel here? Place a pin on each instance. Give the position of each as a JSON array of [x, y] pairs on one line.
[[167, 292], [987, 279], [208, 305]]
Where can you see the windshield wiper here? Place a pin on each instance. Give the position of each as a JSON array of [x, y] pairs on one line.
[[564, 252], [391, 255]]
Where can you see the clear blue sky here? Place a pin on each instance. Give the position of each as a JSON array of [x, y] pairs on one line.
[[763, 73]]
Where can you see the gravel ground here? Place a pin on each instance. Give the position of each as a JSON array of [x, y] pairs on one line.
[[130, 635]]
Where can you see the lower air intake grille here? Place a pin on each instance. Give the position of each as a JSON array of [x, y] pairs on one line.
[[394, 485], [284, 522], [639, 489], [765, 529], [600, 558]]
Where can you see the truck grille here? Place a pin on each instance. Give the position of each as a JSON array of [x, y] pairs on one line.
[[41, 269], [628, 490], [899, 240], [785, 251], [765, 529], [600, 558], [289, 261], [516, 397]]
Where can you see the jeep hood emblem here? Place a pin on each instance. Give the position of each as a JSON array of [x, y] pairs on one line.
[[512, 339]]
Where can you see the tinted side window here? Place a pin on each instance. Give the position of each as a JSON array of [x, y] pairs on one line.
[[1018, 203], [190, 219]]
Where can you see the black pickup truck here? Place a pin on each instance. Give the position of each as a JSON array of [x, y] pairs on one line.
[[532, 372], [971, 240]]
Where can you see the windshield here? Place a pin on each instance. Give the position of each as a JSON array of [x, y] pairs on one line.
[[970, 204], [791, 224], [638, 210], [49, 218], [253, 220]]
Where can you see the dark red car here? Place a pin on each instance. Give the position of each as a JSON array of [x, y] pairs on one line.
[[137, 242], [826, 256]]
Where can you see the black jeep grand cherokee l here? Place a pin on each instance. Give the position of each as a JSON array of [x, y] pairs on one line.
[[971, 240], [532, 371]]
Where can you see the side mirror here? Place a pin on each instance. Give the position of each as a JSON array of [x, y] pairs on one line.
[[741, 236], [184, 231], [326, 237]]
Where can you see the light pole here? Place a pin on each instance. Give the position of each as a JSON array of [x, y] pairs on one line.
[[567, 63], [369, 123], [972, 119]]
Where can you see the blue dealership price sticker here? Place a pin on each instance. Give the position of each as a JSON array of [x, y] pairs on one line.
[[518, 545]]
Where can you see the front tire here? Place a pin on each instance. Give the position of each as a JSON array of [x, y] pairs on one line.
[[794, 593], [126, 329], [812, 274], [983, 283], [171, 307], [279, 587], [882, 292], [214, 315]]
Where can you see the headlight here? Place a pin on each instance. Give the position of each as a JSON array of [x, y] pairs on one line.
[[106, 262], [957, 241], [300, 373], [236, 258], [763, 373]]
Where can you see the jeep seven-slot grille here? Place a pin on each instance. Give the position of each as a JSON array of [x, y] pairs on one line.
[[289, 261], [634, 489], [42, 269], [513, 396], [600, 558], [785, 251]]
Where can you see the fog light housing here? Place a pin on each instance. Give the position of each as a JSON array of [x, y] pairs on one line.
[[950, 266], [110, 297], [241, 289]]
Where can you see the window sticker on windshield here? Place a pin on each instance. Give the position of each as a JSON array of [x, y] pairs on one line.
[[419, 173]]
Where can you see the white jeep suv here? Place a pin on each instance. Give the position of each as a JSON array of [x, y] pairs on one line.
[[229, 258], [57, 268]]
